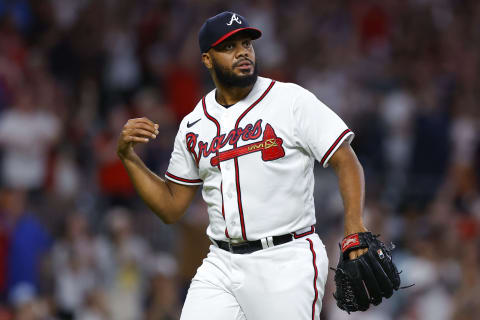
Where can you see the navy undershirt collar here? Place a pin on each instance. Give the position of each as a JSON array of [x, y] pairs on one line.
[[225, 106]]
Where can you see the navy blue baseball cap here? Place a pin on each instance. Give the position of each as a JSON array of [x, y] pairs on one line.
[[220, 27]]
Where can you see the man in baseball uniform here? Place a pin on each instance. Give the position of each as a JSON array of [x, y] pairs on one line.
[[251, 144]]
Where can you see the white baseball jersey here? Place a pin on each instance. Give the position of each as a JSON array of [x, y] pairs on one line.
[[255, 158]]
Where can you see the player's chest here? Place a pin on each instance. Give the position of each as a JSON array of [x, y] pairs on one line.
[[262, 135]]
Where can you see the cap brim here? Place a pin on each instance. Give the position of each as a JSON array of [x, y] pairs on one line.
[[255, 33]]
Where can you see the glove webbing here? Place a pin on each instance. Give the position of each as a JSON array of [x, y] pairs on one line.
[[348, 303]]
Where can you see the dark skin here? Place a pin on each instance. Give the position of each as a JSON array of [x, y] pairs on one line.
[[352, 188], [237, 54], [169, 200]]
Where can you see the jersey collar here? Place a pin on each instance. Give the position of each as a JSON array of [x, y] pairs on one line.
[[258, 88]]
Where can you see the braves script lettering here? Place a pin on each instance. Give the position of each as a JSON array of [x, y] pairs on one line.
[[249, 132]]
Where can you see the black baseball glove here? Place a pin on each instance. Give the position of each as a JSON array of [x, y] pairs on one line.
[[366, 279]]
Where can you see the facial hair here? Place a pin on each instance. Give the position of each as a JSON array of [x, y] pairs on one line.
[[227, 78]]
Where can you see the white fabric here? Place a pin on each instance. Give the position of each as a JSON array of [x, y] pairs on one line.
[[26, 138], [276, 197], [269, 284]]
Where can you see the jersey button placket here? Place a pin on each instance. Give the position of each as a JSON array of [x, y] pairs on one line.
[[228, 119], [230, 203], [232, 220]]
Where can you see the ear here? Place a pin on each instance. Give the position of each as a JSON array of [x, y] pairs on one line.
[[207, 60]]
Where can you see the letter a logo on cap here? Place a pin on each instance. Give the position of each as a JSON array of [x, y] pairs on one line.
[[234, 18]]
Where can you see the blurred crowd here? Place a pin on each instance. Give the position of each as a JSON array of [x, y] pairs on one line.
[[77, 243]]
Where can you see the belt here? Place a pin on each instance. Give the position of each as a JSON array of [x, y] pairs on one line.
[[252, 246]]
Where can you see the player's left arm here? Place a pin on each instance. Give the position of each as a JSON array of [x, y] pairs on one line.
[[351, 182]]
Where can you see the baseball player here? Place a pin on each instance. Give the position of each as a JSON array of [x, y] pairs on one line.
[[251, 144]]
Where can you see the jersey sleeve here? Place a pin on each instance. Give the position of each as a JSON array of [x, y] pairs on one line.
[[182, 168], [318, 129]]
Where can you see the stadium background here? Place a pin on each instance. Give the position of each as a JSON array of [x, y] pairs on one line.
[[76, 242]]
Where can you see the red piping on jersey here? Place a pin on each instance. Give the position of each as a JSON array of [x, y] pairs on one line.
[[312, 230], [213, 120], [237, 174], [223, 210], [182, 179], [334, 145], [210, 117], [314, 278], [218, 133]]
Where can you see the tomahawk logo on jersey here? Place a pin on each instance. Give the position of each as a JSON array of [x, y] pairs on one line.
[[255, 158]]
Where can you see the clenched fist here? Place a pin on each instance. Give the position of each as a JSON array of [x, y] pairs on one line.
[[138, 130]]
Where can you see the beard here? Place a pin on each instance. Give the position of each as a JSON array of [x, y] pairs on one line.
[[227, 78]]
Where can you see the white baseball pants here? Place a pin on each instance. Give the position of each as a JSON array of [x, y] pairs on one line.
[[282, 282]]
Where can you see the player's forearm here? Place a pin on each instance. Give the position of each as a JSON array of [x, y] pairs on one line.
[[352, 188], [152, 189]]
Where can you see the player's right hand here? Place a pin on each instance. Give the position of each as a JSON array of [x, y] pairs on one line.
[[138, 130]]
